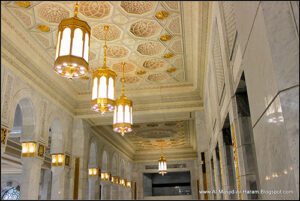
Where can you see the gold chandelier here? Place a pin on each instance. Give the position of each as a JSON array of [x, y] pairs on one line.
[[162, 165], [123, 111], [72, 47], [103, 90]]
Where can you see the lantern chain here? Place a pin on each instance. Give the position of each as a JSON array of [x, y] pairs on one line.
[[105, 46], [123, 79], [76, 8]]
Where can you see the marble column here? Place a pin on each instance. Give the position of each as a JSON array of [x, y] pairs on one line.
[[127, 194], [31, 173], [58, 182], [121, 193], [105, 194], [115, 188], [46, 185], [228, 165], [245, 147], [217, 175], [269, 37], [93, 188]]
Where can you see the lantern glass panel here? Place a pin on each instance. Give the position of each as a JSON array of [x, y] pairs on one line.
[[127, 114], [94, 95], [65, 42], [57, 47], [24, 148], [77, 43], [86, 47], [102, 87], [130, 115], [111, 89], [120, 114], [115, 115]]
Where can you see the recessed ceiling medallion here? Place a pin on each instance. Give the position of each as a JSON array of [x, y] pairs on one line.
[[171, 70], [165, 37], [162, 15], [168, 55], [141, 72], [23, 4], [43, 28]]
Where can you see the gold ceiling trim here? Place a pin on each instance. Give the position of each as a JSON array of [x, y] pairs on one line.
[[23, 4], [168, 55], [43, 28], [162, 15], [165, 37]]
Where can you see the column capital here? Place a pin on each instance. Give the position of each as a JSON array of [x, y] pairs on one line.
[[105, 183]]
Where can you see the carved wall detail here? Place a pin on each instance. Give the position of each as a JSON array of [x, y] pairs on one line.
[[174, 25], [150, 48], [127, 68], [52, 12], [7, 98], [157, 77], [137, 7], [131, 79], [154, 63], [112, 34], [23, 17], [94, 9], [117, 51], [176, 46], [173, 5], [144, 28]]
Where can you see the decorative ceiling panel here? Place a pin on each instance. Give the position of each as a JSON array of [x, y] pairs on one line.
[[149, 136], [136, 36]]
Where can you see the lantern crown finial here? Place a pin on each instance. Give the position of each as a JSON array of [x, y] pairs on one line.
[[76, 8]]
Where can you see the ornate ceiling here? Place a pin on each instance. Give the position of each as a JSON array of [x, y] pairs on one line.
[[164, 44], [136, 36]]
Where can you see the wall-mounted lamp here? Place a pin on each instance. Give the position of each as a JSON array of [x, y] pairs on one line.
[[105, 176], [115, 179], [57, 159], [128, 184], [122, 182], [28, 149], [93, 172]]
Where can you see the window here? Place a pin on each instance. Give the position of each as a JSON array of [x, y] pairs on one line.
[[11, 194]]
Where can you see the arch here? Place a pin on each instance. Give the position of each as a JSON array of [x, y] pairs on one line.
[[28, 118], [122, 169], [93, 155], [18, 122], [104, 165], [114, 166], [128, 171], [57, 139]]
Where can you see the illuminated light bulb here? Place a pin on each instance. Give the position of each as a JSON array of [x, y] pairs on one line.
[[58, 67], [75, 64], [82, 68], [81, 72], [65, 64]]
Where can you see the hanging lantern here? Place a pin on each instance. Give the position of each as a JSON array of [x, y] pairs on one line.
[[103, 90], [72, 48], [162, 165], [123, 112]]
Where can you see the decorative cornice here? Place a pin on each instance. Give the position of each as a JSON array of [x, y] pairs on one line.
[[18, 67]]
